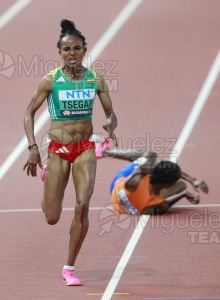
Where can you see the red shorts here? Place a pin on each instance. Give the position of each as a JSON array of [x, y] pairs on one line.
[[70, 151]]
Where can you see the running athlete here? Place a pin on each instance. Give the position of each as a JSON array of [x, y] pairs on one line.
[[70, 92], [147, 187]]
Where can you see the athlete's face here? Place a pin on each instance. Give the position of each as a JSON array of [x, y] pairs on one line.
[[72, 51]]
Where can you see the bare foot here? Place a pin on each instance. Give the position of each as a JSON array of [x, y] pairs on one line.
[[193, 199]]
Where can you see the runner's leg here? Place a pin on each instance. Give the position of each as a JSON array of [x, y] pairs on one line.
[[57, 176], [83, 171]]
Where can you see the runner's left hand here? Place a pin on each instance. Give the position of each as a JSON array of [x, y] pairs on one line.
[[109, 127]]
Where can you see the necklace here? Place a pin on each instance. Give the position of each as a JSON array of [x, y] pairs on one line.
[[68, 73], [74, 76]]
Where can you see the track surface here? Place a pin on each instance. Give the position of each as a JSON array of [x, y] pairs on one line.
[[160, 59]]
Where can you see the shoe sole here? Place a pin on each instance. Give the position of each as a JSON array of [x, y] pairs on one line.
[[71, 284]]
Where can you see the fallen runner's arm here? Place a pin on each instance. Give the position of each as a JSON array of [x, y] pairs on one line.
[[196, 183]]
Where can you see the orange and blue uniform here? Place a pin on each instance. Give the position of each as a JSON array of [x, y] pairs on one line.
[[140, 198]]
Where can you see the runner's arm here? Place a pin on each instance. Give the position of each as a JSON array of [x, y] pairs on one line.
[[196, 183], [111, 119], [39, 97]]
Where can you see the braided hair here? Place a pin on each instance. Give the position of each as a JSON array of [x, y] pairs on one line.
[[69, 28], [165, 172]]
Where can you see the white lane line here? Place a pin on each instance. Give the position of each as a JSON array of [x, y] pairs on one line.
[[198, 105], [18, 210], [196, 206], [116, 25], [203, 96], [95, 52], [13, 11], [22, 145]]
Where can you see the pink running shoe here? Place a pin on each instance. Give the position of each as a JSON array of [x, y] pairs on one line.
[[70, 278], [101, 146], [43, 173]]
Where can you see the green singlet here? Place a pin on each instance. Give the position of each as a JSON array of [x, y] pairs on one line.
[[72, 99]]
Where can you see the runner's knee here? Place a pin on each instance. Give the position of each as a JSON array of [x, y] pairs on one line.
[[81, 211], [52, 216], [52, 219]]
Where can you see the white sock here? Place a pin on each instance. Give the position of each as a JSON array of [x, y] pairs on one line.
[[65, 267]]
